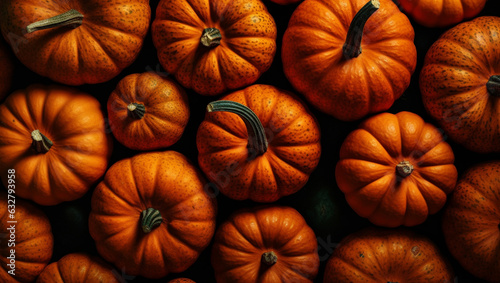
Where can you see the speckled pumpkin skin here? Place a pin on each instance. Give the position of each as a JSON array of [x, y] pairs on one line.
[[471, 221], [34, 240], [453, 83], [293, 152], [246, 50], [79, 268], [242, 239], [348, 90], [108, 40], [165, 181], [383, 255], [167, 111], [6, 70], [181, 280]]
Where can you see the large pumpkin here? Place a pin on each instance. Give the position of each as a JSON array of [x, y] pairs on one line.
[[349, 58], [265, 244], [259, 143], [75, 42], [471, 221], [216, 45], [147, 111], [6, 69], [460, 83], [26, 230], [396, 169], [383, 255], [55, 138], [152, 214]]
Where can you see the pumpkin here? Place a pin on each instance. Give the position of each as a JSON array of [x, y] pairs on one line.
[[441, 13], [383, 255], [55, 138], [349, 58], [152, 214], [79, 268], [181, 280], [214, 46], [77, 42], [6, 70], [261, 144], [265, 244], [29, 235], [147, 111], [396, 169], [460, 84], [471, 221]]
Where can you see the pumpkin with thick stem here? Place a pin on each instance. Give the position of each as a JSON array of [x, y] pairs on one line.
[[6, 69]]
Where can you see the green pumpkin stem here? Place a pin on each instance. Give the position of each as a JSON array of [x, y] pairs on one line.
[[40, 143], [352, 45], [493, 85], [404, 168], [71, 18], [210, 37], [269, 258], [136, 110], [257, 141], [150, 218]]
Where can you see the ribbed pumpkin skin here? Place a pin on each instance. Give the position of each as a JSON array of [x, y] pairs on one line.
[[34, 240], [471, 221], [166, 116], [165, 181], [81, 149], [108, 40], [79, 268], [441, 13], [367, 169], [6, 69], [350, 89], [453, 83], [383, 255], [246, 49], [242, 239]]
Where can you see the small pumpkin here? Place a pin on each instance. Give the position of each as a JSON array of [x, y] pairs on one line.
[[147, 111], [77, 42], [383, 255], [181, 280], [56, 139], [395, 169], [153, 214], [6, 69], [460, 84], [349, 58], [471, 221], [259, 143], [265, 244], [31, 238], [214, 46]]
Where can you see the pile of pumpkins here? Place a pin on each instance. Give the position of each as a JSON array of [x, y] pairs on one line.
[[154, 210]]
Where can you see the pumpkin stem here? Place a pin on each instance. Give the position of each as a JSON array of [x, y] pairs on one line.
[[210, 37], [493, 85], [404, 168], [71, 18], [269, 258], [150, 218], [136, 110], [257, 141], [352, 45], [40, 143]]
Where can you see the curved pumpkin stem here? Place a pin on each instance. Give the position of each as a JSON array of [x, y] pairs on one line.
[[210, 37], [493, 85], [71, 18], [257, 140], [404, 168], [352, 45], [136, 110], [150, 218], [40, 143], [269, 258]]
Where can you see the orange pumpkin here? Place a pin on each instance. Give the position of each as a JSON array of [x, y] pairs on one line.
[[265, 244], [79, 268], [396, 169], [216, 45], [152, 214], [460, 84], [75, 42], [31, 237], [147, 111], [471, 221], [6, 70], [181, 280], [349, 58], [383, 255], [55, 138], [265, 149]]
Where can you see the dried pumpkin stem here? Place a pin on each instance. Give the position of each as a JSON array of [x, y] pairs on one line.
[[210, 37], [404, 168], [352, 45], [71, 18], [136, 110], [40, 143], [150, 218], [257, 141], [269, 258], [493, 85]]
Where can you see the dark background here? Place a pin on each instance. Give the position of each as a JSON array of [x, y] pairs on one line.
[[320, 201]]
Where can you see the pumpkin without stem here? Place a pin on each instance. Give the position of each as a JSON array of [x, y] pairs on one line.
[[349, 58], [396, 169], [6, 70], [460, 83]]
